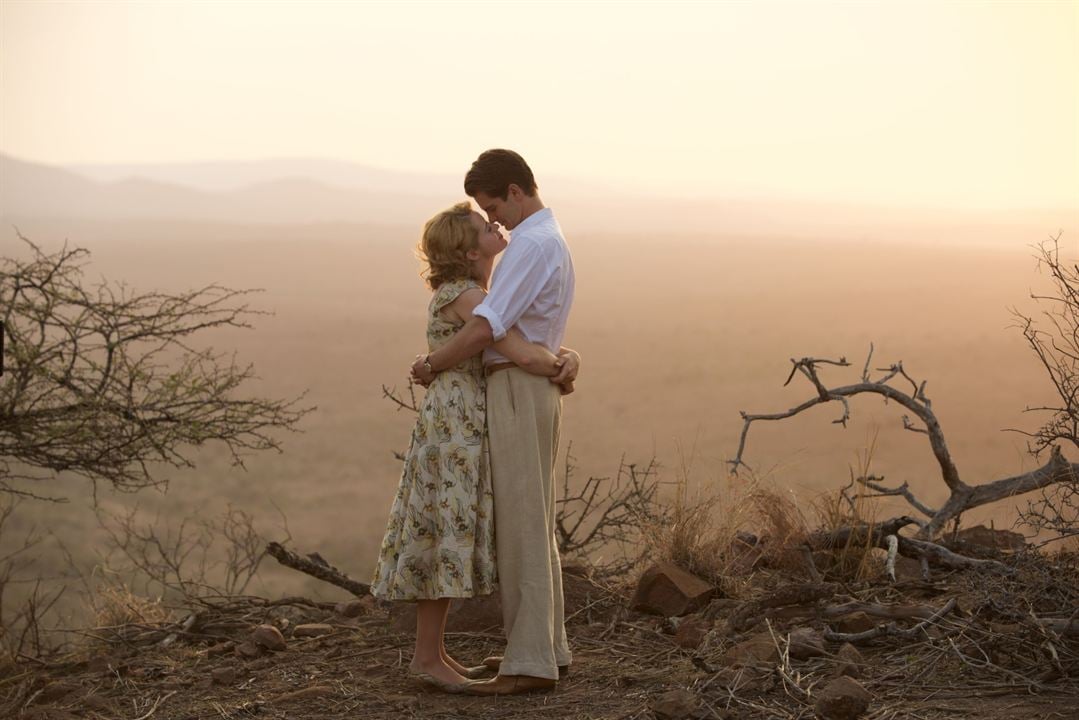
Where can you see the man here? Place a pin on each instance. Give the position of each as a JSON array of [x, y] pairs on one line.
[[532, 289]]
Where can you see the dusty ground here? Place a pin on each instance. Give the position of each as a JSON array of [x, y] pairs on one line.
[[981, 660]]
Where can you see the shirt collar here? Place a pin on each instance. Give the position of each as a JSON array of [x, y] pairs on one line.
[[533, 219]]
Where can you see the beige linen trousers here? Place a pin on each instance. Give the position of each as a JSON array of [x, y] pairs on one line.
[[523, 417]]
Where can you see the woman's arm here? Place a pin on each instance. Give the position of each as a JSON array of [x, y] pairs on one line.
[[530, 357]]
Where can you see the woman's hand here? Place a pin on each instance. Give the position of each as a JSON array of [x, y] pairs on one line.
[[419, 373]]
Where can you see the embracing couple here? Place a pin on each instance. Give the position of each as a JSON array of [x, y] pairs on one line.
[[475, 508]]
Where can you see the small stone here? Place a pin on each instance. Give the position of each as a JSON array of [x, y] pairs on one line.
[[757, 650], [691, 632], [222, 648], [855, 623], [993, 539], [842, 699], [269, 637], [223, 675], [350, 608], [248, 649], [908, 570], [670, 591], [676, 705], [849, 661], [312, 630], [806, 643]]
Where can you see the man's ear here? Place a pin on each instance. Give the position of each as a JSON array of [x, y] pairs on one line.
[[514, 190]]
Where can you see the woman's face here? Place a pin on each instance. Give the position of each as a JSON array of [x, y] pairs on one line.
[[490, 241]]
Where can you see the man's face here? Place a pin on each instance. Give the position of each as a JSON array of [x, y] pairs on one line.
[[506, 213]]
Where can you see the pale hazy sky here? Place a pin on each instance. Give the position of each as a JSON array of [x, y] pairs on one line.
[[949, 104]]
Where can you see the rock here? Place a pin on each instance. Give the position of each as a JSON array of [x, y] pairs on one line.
[[849, 661], [312, 630], [757, 650], [842, 699], [747, 679], [806, 643], [248, 649], [351, 608], [269, 637], [691, 632], [222, 648], [223, 675], [855, 623], [667, 590], [679, 705], [908, 570], [992, 539]]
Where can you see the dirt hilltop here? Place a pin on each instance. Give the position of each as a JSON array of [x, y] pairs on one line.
[[771, 642]]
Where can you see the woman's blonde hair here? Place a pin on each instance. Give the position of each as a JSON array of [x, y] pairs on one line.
[[447, 237]]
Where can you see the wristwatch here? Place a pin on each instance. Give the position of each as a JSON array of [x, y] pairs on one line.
[[427, 364]]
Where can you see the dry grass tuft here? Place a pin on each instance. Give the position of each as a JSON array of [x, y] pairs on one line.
[[118, 612], [697, 530], [858, 559], [780, 525], [705, 528]]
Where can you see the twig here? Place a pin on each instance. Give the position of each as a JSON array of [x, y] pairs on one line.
[[160, 700], [890, 629]]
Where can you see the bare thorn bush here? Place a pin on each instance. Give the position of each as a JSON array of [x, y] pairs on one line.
[[602, 523], [194, 560]]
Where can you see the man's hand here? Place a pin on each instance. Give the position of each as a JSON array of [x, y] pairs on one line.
[[568, 364], [419, 372]]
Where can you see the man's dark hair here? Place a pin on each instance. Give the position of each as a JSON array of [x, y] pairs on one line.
[[495, 170]]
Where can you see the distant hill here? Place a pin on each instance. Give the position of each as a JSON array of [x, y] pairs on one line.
[[32, 190], [233, 175], [326, 191]]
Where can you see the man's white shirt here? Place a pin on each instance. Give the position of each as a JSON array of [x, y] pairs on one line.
[[532, 287]]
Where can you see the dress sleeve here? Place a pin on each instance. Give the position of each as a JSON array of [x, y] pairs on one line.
[[448, 292]]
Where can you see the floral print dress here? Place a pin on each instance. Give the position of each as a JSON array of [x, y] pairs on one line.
[[440, 537]]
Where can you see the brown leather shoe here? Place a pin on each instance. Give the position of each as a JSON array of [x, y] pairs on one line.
[[495, 661], [510, 685]]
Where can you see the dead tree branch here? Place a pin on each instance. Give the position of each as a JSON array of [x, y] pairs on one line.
[[963, 496], [317, 568]]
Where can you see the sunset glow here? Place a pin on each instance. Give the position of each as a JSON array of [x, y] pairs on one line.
[[972, 104]]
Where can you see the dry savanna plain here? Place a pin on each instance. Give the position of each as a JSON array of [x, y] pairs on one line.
[[678, 334]]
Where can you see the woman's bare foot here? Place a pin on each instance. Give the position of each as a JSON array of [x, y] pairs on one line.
[[453, 664], [439, 671]]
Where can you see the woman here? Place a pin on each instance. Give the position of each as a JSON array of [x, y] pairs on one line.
[[439, 542]]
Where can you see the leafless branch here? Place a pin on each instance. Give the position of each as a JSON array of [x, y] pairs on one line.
[[103, 382]]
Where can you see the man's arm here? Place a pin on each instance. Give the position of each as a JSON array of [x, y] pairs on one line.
[[466, 342]]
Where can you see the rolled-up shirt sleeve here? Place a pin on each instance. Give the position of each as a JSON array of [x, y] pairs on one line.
[[519, 279]]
